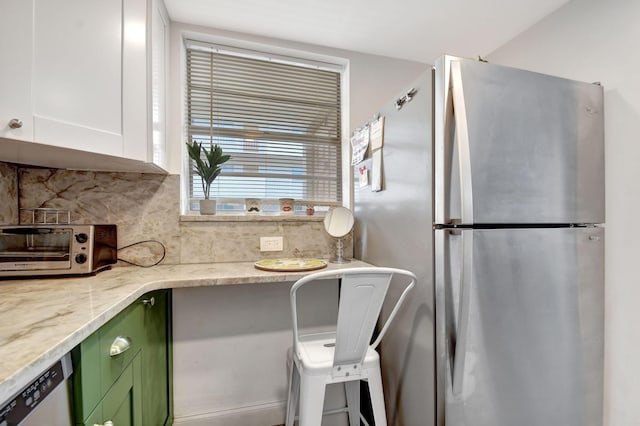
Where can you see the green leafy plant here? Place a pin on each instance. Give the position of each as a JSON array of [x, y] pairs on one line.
[[207, 163]]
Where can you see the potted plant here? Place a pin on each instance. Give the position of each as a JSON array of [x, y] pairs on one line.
[[207, 165]]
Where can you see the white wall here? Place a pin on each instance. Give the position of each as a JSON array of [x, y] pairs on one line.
[[594, 40], [229, 351]]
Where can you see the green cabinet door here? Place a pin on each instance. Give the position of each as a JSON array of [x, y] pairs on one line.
[[122, 404], [156, 382]]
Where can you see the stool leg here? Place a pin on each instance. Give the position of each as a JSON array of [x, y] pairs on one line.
[[312, 390], [352, 390], [294, 394], [377, 397]]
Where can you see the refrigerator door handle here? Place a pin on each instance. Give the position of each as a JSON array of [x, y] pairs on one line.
[[464, 154], [463, 311]]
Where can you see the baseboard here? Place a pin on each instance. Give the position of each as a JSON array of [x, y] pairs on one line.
[[257, 415]]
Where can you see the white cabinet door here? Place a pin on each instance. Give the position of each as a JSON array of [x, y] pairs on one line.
[[15, 80], [144, 81], [159, 65], [134, 82], [77, 74]]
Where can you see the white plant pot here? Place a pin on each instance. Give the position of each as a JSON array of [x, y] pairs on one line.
[[207, 206]]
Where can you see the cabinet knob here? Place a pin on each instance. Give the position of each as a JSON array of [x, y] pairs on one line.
[[15, 123], [120, 344], [107, 423], [150, 302]]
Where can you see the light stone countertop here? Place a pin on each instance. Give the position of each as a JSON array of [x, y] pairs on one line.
[[43, 319]]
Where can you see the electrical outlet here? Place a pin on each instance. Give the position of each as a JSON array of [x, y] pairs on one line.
[[271, 244]]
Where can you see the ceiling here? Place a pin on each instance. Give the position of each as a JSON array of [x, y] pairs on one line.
[[419, 30]]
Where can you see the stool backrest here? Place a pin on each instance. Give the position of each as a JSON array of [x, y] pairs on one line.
[[362, 294]]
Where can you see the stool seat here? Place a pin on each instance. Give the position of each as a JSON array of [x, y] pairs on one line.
[[316, 352], [346, 355]]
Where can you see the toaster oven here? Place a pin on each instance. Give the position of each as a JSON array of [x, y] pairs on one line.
[[56, 249]]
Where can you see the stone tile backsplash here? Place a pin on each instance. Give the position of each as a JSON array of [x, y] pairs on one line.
[[8, 193], [203, 242], [147, 207], [143, 206]]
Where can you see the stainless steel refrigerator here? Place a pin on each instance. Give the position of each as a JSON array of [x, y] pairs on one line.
[[494, 196]]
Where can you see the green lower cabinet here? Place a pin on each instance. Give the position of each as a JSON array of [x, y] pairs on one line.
[[133, 386]]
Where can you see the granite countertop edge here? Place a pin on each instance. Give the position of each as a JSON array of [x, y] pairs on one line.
[[43, 319]]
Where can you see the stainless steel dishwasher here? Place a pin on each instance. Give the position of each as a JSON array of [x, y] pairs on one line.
[[44, 401]]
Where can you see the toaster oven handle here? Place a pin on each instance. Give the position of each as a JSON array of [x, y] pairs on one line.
[[27, 231]]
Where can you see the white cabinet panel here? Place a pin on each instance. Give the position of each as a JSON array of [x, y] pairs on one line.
[[77, 62], [159, 47], [15, 81], [134, 84], [77, 74]]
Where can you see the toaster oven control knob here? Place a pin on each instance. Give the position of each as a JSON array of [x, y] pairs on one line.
[[82, 238], [81, 258]]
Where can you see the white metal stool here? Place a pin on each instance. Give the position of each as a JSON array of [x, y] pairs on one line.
[[344, 355]]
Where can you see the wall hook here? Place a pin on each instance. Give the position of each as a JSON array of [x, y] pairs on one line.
[[406, 98]]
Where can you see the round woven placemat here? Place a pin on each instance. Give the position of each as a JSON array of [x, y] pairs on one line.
[[290, 264]]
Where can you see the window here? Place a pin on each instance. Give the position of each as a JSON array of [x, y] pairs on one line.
[[279, 121]]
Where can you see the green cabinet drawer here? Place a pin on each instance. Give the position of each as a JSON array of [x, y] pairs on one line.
[[128, 327]]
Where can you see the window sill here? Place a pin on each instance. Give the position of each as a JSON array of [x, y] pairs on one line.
[[229, 217]]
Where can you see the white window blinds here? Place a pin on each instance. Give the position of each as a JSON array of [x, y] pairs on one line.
[[280, 122]]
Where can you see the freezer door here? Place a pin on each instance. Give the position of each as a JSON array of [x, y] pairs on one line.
[[514, 146], [519, 326]]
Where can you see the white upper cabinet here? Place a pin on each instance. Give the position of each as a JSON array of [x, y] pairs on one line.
[[16, 119], [82, 80]]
